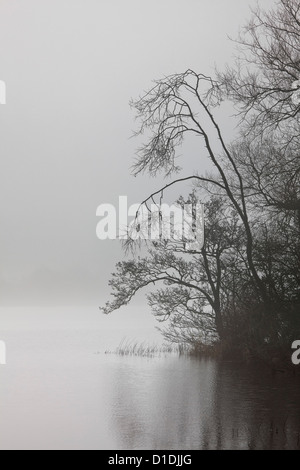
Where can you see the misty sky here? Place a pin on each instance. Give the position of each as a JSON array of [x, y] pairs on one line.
[[71, 67]]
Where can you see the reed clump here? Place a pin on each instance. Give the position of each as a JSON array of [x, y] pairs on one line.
[[135, 348]]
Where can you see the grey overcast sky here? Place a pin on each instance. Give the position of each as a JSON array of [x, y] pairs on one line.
[[71, 67]]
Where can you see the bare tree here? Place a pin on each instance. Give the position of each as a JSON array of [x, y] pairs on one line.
[[271, 175], [264, 83], [243, 282], [183, 104], [196, 283]]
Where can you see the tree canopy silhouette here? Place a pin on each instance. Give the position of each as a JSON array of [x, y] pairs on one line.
[[242, 287]]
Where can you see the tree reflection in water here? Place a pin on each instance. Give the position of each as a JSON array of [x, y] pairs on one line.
[[185, 403]]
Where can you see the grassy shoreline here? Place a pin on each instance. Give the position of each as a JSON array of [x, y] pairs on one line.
[[275, 361], [134, 348]]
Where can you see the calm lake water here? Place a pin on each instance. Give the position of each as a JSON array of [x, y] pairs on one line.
[[59, 391]]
